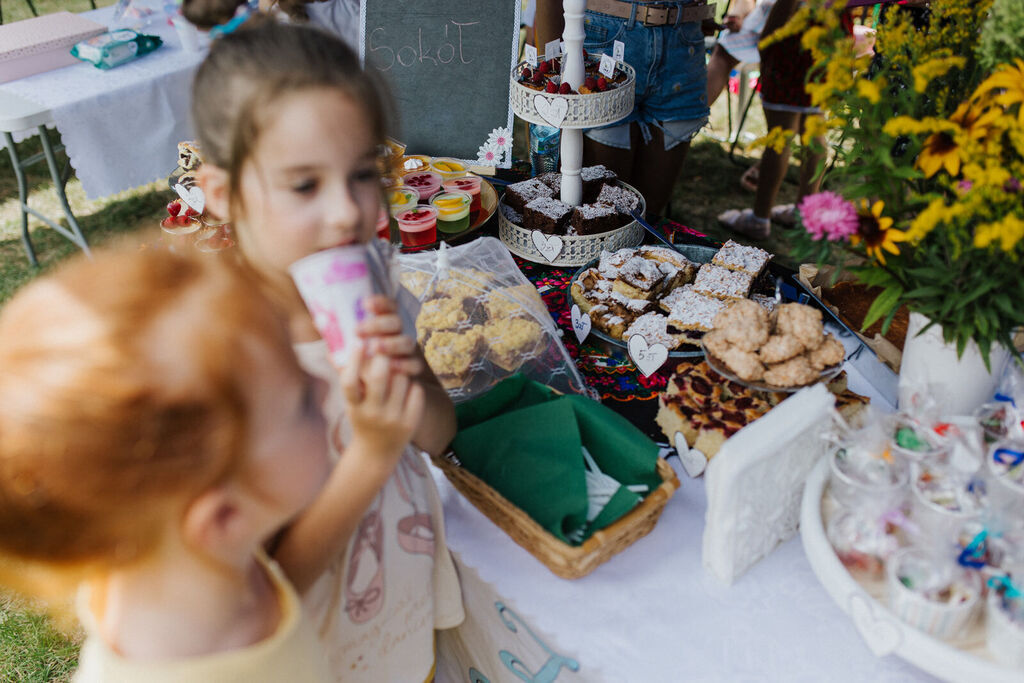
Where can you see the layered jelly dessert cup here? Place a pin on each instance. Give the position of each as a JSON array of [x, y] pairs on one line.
[[334, 283], [418, 226], [400, 199], [427, 183], [384, 224], [452, 211], [414, 163], [469, 184], [448, 168]]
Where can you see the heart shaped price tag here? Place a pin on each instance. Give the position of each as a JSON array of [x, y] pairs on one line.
[[882, 635], [549, 246], [694, 462], [192, 196], [646, 358], [552, 110], [580, 323]]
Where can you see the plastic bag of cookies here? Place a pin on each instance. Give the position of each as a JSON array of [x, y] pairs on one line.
[[481, 320]]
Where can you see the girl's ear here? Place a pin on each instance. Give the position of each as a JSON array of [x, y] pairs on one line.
[[216, 190], [213, 524]]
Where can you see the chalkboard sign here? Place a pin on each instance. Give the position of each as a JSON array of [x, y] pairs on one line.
[[448, 64]]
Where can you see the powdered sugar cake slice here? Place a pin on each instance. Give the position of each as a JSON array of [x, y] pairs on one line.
[[639, 278], [690, 310], [611, 262], [723, 283], [654, 328], [736, 256]]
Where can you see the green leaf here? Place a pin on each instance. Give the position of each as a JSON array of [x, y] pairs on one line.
[[883, 304]]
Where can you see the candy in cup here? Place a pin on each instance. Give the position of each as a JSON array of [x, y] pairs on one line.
[[936, 596], [1004, 623], [943, 500], [334, 284], [870, 487], [1005, 483]]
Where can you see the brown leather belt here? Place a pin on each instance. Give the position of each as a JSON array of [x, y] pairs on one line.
[[654, 14]]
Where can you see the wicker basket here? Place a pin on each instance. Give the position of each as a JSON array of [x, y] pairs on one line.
[[567, 561], [577, 250], [583, 111]]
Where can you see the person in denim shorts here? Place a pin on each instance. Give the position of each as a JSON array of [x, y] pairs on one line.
[[648, 147]]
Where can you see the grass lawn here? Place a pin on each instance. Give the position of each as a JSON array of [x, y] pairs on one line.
[[31, 649]]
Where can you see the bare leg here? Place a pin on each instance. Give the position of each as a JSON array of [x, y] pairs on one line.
[[618, 160], [773, 164], [719, 67]]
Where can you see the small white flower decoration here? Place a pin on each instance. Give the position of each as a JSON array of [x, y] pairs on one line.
[[501, 138], [489, 154]]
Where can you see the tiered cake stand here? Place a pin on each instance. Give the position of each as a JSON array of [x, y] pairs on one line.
[[571, 114]]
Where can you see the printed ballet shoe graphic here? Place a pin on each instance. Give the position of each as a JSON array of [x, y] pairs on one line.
[[416, 534], [415, 531], [364, 582]]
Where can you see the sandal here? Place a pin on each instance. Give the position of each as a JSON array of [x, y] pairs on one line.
[[748, 181], [745, 223], [784, 215]]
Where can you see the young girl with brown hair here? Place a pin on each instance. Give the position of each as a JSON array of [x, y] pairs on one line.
[[155, 431], [290, 125]]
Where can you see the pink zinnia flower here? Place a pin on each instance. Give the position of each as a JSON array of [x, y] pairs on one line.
[[828, 215]]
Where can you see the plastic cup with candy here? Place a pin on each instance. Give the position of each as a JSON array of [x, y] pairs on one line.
[[418, 226], [915, 442], [1004, 467], [934, 596], [470, 184], [942, 502], [426, 183], [871, 489], [452, 211], [1004, 623], [448, 168], [334, 283]]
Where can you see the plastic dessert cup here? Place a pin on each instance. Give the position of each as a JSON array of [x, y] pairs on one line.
[[414, 163], [945, 610], [1005, 474], [470, 184], [1003, 635], [426, 183], [333, 284], [384, 224], [452, 211], [400, 199], [418, 226], [448, 168], [887, 492], [940, 509]]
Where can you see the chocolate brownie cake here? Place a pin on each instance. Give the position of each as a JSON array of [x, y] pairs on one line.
[[594, 177], [546, 214], [518, 195], [591, 219]]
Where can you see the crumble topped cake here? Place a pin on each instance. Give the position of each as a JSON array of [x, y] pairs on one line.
[[736, 256], [450, 355], [511, 341], [690, 310], [723, 283], [654, 328]]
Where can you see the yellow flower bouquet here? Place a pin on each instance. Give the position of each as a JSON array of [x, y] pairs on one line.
[[926, 198]]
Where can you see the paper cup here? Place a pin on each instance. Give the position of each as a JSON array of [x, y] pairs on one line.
[[333, 284]]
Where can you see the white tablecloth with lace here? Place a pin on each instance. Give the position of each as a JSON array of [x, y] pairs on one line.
[[652, 613], [120, 127]]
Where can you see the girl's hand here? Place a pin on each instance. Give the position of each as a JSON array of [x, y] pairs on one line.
[[382, 332], [384, 407]]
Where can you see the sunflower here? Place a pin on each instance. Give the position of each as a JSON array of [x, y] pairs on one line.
[[940, 151], [1007, 84], [975, 120], [876, 231]]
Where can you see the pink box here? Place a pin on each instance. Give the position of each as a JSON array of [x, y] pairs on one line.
[[41, 44]]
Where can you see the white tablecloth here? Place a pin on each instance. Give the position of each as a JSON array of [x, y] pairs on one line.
[[120, 127], [652, 613]]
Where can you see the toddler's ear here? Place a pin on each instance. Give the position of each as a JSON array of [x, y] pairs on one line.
[[213, 524], [216, 189]]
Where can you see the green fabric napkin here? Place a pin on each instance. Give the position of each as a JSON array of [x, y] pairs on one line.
[[525, 441]]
